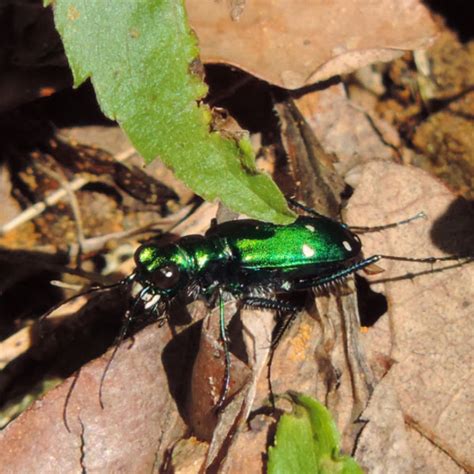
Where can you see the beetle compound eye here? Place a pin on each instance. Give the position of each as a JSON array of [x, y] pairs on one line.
[[166, 277]]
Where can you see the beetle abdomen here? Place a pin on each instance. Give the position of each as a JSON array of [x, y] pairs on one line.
[[308, 241]]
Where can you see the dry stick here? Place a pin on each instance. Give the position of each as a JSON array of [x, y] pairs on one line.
[[93, 244], [54, 198], [76, 211], [22, 340]]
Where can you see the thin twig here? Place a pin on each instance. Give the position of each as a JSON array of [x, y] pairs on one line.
[[37, 209], [75, 208], [94, 244]]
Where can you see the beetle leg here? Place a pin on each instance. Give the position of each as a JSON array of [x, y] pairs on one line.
[[289, 311], [225, 346], [298, 205], [267, 303], [275, 305], [449, 258], [333, 276]]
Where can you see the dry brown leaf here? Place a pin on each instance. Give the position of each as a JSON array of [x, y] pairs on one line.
[[430, 458], [114, 140], [188, 456], [248, 452], [139, 422], [384, 445], [258, 326], [430, 316], [295, 43], [228, 428], [344, 128], [208, 376]]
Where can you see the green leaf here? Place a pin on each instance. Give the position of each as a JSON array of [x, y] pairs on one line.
[[142, 59], [307, 441]]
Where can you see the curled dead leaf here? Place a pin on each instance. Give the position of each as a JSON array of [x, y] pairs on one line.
[[295, 43]]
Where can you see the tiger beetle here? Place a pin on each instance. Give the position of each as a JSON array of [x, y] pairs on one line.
[[252, 260]]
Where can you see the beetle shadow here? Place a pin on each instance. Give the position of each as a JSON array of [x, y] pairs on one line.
[[452, 232], [179, 354], [371, 304]]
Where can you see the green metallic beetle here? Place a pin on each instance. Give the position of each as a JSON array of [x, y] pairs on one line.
[[252, 261], [248, 257]]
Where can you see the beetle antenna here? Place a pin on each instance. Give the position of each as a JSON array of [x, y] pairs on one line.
[[68, 397], [356, 228], [298, 205], [128, 317], [364, 229], [118, 342], [449, 258], [93, 289]]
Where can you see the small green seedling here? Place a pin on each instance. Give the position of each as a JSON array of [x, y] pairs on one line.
[[307, 442]]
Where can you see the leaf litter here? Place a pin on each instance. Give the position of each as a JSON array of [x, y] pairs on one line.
[[417, 352]]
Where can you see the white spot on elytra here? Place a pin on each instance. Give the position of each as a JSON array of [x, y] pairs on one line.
[[310, 227], [308, 251], [347, 245]]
